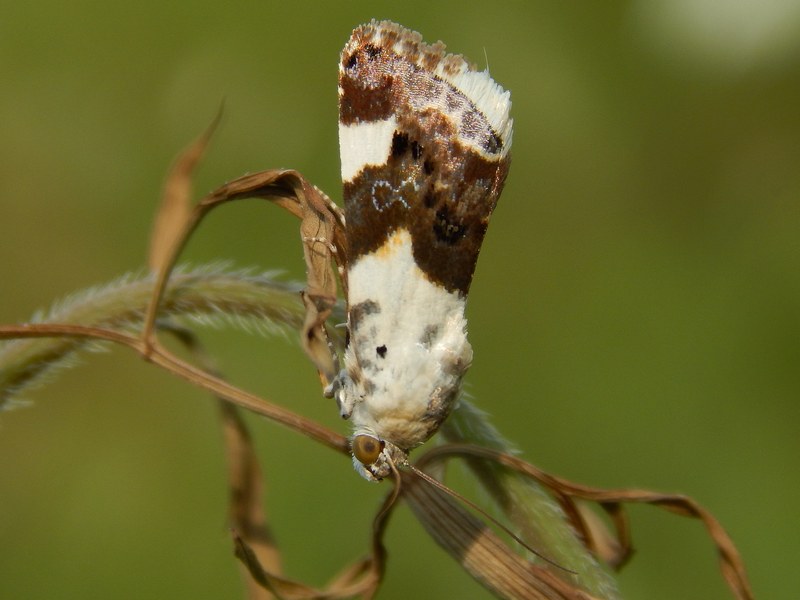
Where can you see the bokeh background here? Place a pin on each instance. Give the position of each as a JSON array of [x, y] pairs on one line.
[[635, 314]]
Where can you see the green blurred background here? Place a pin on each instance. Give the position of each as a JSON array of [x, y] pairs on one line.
[[635, 314]]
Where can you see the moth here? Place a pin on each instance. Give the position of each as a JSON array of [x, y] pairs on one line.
[[424, 140]]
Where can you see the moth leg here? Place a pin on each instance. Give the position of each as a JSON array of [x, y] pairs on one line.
[[345, 402]]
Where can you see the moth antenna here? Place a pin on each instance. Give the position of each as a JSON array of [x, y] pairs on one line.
[[442, 487]]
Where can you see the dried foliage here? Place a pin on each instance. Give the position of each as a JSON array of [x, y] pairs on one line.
[[176, 201], [568, 541]]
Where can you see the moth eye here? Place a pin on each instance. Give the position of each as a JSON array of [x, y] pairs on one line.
[[366, 448]]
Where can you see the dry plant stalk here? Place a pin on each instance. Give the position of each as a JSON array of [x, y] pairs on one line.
[[510, 481]]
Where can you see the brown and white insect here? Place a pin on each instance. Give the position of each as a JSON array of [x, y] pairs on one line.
[[424, 141]]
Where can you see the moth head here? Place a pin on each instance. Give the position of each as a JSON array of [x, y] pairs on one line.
[[375, 458]]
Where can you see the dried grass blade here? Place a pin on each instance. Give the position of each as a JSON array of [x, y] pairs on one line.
[[204, 294], [175, 208], [611, 501], [480, 551], [245, 483], [358, 579], [548, 522], [246, 497]]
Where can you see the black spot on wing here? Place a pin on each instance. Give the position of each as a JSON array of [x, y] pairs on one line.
[[447, 228], [357, 312], [372, 51], [430, 333], [363, 55], [399, 144], [429, 199], [493, 145]]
